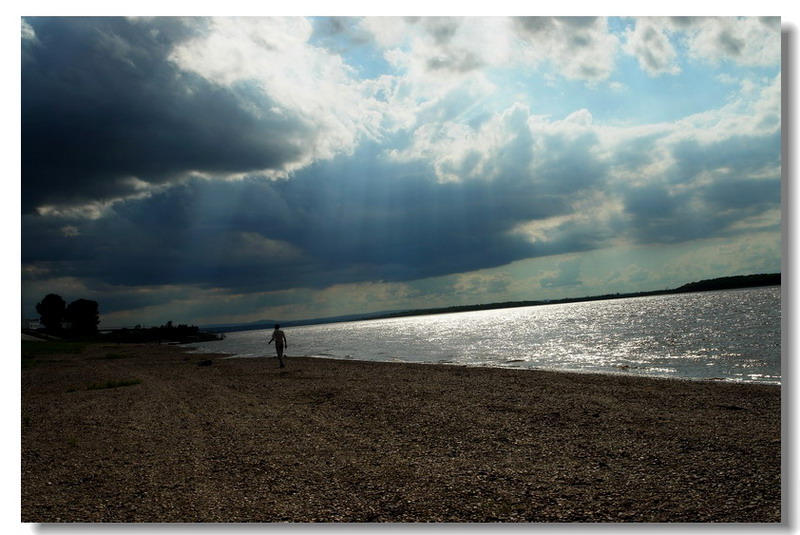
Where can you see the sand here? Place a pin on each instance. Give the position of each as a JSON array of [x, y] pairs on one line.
[[124, 433]]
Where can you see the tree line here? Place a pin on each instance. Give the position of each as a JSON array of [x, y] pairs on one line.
[[721, 283], [166, 333], [81, 317]]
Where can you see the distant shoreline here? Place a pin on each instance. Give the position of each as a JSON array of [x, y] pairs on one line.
[[725, 283], [613, 373], [717, 284]]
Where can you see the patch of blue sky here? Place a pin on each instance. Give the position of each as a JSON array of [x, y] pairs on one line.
[[638, 98], [618, 25], [367, 62], [341, 36], [634, 97], [552, 96], [698, 89]]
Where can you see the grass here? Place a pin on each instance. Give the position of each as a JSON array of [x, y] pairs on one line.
[[38, 352], [114, 384], [30, 348], [34, 353]]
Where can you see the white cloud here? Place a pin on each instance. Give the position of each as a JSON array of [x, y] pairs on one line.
[[305, 82], [762, 221], [438, 64], [750, 41], [91, 210], [592, 215], [436, 58], [649, 42], [746, 41], [459, 152], [70, 231], [439, 47], [445, 92], [754, 110], [576, 47], [388, 32], [27, 31]]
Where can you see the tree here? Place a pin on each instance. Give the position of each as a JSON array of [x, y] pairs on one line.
[[84, 316], [51, 311]]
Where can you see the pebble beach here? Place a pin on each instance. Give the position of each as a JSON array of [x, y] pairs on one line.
[[155, 434]]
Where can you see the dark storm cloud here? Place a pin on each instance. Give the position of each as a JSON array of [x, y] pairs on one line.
[[635, 153], [709, 188], [568, 165], [101, 103], [416, 153], [409, 227], [743, 155], [651, 202], [749, 195], [661, 217], [195, 233], [345, 221]]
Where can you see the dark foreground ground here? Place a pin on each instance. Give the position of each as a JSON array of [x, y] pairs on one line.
[[124, 433]]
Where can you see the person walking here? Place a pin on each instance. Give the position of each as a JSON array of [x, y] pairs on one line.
[[279, 337]]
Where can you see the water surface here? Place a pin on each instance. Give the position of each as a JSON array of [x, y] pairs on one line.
[[727, 335]]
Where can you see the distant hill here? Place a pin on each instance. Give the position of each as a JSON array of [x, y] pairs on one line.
[[730, 283], [269, 324], [722, 283]]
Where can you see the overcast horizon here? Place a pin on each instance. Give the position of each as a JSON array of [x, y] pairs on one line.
[[226, 170]]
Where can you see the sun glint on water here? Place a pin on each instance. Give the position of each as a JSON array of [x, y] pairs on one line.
[[728, 335]]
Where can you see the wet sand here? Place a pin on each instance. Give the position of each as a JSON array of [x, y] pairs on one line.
[[124, 433]]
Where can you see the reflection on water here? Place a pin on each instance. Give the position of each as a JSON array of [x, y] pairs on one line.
[[730, 335]]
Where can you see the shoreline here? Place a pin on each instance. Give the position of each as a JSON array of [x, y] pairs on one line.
[[621, 372], [345, 440]]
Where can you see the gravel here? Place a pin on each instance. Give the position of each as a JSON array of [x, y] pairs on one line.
[[337, 441]]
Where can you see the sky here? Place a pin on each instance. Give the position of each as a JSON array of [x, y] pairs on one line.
[[209, 170]]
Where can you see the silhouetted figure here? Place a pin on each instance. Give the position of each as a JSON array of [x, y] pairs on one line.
[[280, 342]]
